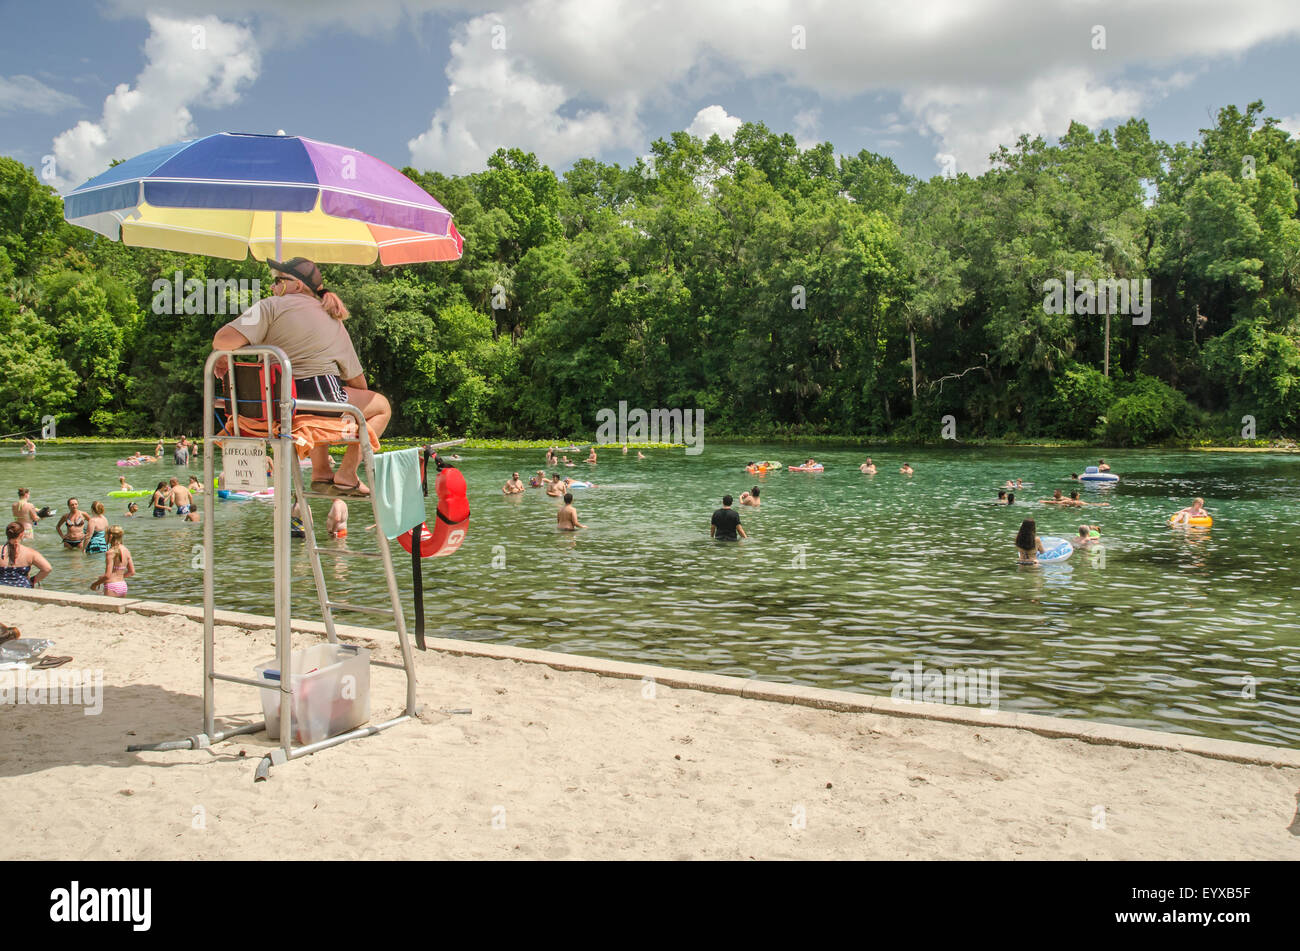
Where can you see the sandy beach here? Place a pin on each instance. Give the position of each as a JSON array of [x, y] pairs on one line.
[[567, 765]]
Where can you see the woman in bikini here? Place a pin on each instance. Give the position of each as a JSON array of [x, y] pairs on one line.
[[75, 521], [96, 530], [17, 560], [1028, 544], [118, 566], [25, 513]]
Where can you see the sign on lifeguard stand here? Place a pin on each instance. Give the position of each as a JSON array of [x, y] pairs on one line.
[[243, 464]]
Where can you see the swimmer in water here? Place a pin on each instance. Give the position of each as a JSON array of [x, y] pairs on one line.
[[567, 518], [1056, 499], [1079, 503], [537, 481], [25, 513], [750, 497], [556, 487], [336, 522], [514, 485], [181, 498], [75, 521], [1028, 544], [1101, 466], [625, 449], [1195, 510], [29, 447], [118, 566], [591, 456], [161, 500], [96, 530], [640, 454], [906, 469], [868, 467], [1002, 496], [131, 510], [1011, 498], [124, 485], [568, 463], [1084, 539], [725, 524]]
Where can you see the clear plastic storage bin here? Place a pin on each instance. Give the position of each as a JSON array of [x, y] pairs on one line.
[[330, 687]]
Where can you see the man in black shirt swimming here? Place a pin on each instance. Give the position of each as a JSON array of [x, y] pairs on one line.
[[726, 523]]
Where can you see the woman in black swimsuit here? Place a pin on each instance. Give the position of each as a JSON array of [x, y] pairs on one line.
[[161, 500]]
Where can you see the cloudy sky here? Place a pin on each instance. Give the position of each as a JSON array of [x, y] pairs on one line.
[[440, 84]]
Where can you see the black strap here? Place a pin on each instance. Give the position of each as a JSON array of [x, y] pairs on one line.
[[417, 541], [417, 582]]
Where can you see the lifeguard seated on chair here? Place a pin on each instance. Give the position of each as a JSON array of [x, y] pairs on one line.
[[305, 320]]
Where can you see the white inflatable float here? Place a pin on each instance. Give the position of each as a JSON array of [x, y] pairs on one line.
[[1091, 474]]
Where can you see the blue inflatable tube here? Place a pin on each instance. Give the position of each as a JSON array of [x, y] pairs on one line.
[[1054, 549]]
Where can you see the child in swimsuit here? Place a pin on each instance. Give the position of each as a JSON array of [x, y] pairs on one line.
[[97, 530], [118, 566]]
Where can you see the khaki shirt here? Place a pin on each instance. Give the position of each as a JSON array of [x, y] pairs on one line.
[[315, 342]]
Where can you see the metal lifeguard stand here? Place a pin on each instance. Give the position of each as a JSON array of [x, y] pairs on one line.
[[287, 473]]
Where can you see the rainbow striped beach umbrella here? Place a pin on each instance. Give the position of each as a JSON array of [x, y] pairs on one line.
[[278, 196]]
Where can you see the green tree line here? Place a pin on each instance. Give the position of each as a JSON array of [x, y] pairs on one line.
[[781, 291]]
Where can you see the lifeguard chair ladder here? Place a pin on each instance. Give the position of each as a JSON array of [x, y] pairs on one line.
[[287, 473]]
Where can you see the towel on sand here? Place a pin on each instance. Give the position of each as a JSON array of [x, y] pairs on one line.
[[399, 497]]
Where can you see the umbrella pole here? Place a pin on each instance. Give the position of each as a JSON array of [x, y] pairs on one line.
[[279, 222]]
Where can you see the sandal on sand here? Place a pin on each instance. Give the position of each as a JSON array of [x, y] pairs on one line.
[[8, 633], [45, 663]]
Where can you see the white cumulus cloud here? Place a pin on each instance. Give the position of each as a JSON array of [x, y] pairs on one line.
[[202, 61], [713, 120], [579, 77], [495, 99]]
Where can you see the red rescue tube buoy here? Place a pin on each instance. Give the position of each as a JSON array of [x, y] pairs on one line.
[[451, 523]]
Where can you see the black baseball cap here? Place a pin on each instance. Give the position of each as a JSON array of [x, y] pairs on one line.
[[301, 269]]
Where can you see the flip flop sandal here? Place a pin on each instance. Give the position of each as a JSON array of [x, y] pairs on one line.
[[350, 491], [45, 663], [316, 482]]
